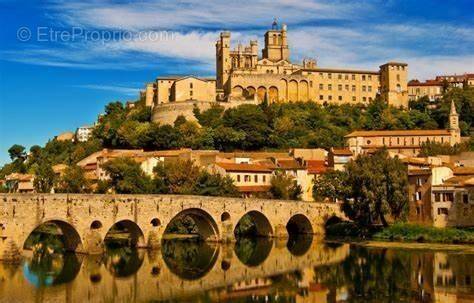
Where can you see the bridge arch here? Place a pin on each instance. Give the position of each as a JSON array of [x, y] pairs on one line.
[[70, 236], [136, 236], [262, 226], [205, 224], [299, 224]]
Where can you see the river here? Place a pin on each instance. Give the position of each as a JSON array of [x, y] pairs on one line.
[[301, 269]]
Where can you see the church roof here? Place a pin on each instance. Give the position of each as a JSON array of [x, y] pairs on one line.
[[414, 132]]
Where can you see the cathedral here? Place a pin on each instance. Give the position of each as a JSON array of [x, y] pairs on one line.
[[242, 76]]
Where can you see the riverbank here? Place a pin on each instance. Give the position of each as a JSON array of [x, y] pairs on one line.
[[402, 232]]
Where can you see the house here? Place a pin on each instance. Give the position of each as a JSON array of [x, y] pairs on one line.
[[339, 157], [252, 180], [20, 183]]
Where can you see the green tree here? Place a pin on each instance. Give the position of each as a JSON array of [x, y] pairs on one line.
[[44, 177], [284, 186], [331, 185], [74, 181], [378, 187], [17, 151], [127, 177], [209, 184], [176, 177]]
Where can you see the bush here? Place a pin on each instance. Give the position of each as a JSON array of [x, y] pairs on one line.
[[419, 233]]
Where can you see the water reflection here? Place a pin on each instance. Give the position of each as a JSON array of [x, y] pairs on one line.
[[252, 251], [189, 259], [252, 270]]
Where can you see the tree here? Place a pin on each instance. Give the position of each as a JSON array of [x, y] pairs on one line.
[[378, 187], [44, 177], [127, 177], [17, 151], [331, 185], [176, 177], [284, 186], [215, 185], [74, 180]]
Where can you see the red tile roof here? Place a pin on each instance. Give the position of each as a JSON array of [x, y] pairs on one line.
[[288, 164], [341, 152], [244, 167], [316, 166], [414, 132]]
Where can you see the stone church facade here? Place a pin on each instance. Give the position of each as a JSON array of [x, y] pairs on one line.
[[242, 76]]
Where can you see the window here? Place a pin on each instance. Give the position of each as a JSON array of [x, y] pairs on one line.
[[329, 76], [247, 178], [321, 86], [264, 179], [363, 88], [354, 98], [329, 97], [369, 77], [321, 75], [364, 99], [339, 76], [339, 87], [329, 86], [346, 77], [369, 88], [399, 88], [437, 197], [448, 197], [255, 178], [238, 178], [363, 77], [442, 211], [347, 87], [191, 93], [353, 77], [465, 198], [321, 97], [340, 98], [191, 85], [418, 211], [418, 195], [368, 142], [353, 88], [398, 77]]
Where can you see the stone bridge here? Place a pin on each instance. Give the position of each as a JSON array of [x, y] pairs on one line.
[[86, 219]]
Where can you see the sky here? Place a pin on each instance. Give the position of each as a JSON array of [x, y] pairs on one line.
[[62, 61]]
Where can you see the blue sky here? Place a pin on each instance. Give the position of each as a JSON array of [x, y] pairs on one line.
[[49, 85]]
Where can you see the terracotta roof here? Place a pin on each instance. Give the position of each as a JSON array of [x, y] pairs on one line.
[[340, 70], [244, 167], [341, 152], [418, 172], [463, 170], [316, 166], [254, 188], [19, 177], [426, 83], [460, 180], [288, 164], [413, 132]]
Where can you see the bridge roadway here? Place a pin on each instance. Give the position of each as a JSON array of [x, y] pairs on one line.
[[155, 279], [85, 219]]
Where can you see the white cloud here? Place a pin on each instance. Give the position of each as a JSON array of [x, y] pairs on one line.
[[129, 91], [163, 14]]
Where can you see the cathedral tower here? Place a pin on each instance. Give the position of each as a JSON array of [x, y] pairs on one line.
[[276, 44]]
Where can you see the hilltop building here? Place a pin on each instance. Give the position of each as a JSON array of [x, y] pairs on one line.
[[242, 76], [406, 142]]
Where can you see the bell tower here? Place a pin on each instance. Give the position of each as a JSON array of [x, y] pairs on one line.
[[454, 129], [276, 43]]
